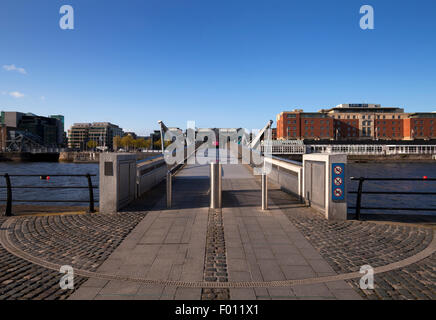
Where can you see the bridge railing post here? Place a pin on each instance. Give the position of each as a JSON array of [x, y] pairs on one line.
[[264, 191], [169, 182], [359, 197], [91, 194]]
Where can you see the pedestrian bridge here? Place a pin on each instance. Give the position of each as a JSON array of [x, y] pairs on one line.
[[312, 182]]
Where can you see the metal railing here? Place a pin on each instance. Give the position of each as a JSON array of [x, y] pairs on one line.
[[360, 192], [9, 199], [169, 179]]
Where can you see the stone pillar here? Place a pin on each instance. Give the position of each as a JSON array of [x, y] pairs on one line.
[[324, 184], [117, 181]]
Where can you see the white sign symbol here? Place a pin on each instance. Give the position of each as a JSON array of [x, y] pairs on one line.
[[338, 170], [338, 192], [338, 181]]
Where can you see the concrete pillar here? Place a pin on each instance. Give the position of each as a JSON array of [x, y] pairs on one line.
[[117, 181], [324, 184]]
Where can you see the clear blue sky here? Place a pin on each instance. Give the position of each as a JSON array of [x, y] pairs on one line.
[[227, 63]]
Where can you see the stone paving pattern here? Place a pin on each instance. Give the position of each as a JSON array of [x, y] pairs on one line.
[[348, 245], [215, 266]]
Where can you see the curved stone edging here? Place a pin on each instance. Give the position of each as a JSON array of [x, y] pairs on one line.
[[10, 247]]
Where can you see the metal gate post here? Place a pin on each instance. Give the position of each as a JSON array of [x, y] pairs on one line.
[[215, 185]]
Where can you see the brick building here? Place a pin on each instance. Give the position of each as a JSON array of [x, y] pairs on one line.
[[304, 125], [356, 122]]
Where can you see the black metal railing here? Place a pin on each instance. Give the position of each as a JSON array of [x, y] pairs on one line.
[[360, 192], [9, 199]]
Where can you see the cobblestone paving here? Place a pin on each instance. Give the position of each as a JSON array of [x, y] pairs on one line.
[[216, 262], [349, 245], [82, 241]]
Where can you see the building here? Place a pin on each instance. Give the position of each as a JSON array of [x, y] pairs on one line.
[[102, 133], [132, 134], [356, 122], [274, 133], [18, 127], [420, 126], [297, 124], [62, 136], [367, 121]]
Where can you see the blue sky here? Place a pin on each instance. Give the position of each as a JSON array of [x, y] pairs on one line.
[[227, 63]]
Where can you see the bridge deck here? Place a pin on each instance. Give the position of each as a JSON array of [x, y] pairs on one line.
[[192, 243]]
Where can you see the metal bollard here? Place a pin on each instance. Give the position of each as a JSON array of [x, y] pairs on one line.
[[264, 192], [169, 189], [215, 186]]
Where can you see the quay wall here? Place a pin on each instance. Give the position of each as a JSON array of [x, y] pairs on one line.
[[376, 158], [94, 157], [27, 156]]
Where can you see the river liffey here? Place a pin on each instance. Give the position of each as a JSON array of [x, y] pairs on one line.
[[394, 170], [49, 169]]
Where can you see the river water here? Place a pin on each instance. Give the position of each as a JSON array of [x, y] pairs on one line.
[[49, 168], [368, 170], [394, 170]]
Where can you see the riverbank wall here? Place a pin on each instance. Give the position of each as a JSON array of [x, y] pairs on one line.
[[375, 158], [392, 158], [29, 157], [94, 157]]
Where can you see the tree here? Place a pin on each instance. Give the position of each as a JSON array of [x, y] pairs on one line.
[[117, 142], [127, 142], [157, 144], [141, 143], [91, 144]]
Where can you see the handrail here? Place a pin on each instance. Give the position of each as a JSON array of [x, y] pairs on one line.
[[297, 163], [169, 178], [360, 191], [9, 187]]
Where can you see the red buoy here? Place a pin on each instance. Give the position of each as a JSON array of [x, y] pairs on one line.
[[425, 177]]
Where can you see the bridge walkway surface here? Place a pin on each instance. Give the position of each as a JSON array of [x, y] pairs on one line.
[[237, 252]]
